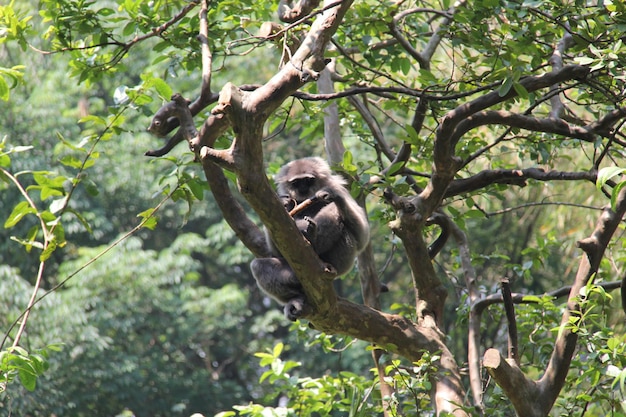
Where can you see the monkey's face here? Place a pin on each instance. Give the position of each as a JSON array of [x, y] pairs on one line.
[[302, 178], [302, 187]]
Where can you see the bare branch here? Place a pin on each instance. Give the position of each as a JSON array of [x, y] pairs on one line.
[[518, 298], [556, 60], [502, 117], [395, 32], [361, 107], [332, 131], [510, 318], [456, 116], [517, 177], [207, 61], [523, 393], [423, 59]]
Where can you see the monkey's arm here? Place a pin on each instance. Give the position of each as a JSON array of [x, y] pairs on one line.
[[354, 216]]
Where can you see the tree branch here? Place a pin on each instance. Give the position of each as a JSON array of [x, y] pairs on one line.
[[556, 60], [510, 318], [534, 83], [515, 177], [446, 164], [247, 111], [556, 126], [287, 12], [473, 346]]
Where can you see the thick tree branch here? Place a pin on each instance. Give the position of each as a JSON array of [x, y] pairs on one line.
[[247, 111], [556, 126], [430, 294], [517, 177], [233, 212], [523, 393], [534, 83], [506, 118], [332, 131]]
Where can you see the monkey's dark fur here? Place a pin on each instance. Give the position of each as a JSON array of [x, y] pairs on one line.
[[335, 225]]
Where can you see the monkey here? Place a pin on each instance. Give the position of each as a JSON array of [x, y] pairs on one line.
[[334, 224]]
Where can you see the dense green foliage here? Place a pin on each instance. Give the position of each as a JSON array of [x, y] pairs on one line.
[[145, 300]]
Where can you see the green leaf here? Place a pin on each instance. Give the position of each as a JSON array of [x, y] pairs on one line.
[[5, 161], [17, 149], [27, 378], [615, 194], [612, 343], [162, 88], [505, 87], [413, 137], [71, 161], [278, 349], [605, 174], [57, 205], [584, 60], [197, 188], [531, 299], [19, 211], [48, 251], [226, 414], [150, 221], [520, 90], [394, 168], [80, 218], [474, 214], [4, 89]]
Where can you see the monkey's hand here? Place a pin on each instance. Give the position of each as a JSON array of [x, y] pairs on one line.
[[294, 309], [288, 202], [308, 228], [327, 195]]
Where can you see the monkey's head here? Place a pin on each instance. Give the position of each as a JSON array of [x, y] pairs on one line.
[[302, 178]]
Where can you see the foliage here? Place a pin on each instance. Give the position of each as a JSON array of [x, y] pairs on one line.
[[347, 394]]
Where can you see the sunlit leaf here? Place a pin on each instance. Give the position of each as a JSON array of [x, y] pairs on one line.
[[605, 174], [19, 212]]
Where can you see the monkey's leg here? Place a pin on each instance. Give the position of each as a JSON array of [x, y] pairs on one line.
[[276, 278]]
